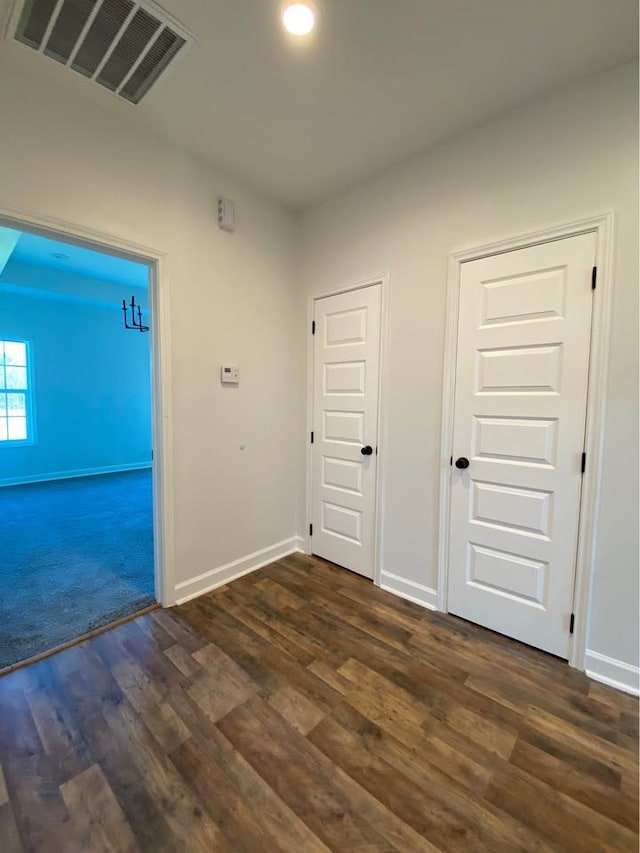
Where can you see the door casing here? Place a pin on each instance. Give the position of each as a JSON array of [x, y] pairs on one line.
[[161, 409], [384, 282], [603, 227]]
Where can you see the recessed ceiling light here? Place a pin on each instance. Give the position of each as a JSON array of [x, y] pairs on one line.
[[298, 19], [59, 256]]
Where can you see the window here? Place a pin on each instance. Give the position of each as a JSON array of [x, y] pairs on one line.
[[15, 392]]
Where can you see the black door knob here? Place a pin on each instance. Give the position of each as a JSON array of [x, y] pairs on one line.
[[367, 451], [462, 462]]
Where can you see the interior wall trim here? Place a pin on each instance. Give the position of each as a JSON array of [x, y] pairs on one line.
[[221, 575], [615, 673], [72, 475]]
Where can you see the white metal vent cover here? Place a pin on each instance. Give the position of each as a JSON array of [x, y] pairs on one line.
[[123, 45]]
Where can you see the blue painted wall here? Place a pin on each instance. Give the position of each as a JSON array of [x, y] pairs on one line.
[[90, 377]]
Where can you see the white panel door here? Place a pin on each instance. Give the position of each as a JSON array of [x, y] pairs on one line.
[[345, 427], [520, 403]]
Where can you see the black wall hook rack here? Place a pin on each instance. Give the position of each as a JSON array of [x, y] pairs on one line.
[[136, 316]]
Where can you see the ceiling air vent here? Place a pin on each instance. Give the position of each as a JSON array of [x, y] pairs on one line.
[[123, 45]]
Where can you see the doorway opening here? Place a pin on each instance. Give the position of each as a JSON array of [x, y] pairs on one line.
[[76, 448]]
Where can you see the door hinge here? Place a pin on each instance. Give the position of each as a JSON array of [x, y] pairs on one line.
[[152, 455], [313, 327], [311, 530], [572, 623], [583, 463], [594, 276], [451, 460], [311, 436]]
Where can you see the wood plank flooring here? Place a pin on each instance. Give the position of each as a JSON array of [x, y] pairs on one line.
[[302, 709]]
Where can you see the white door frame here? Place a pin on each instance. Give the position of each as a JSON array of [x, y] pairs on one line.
[[163, 516], [603, 227], [383, 383]]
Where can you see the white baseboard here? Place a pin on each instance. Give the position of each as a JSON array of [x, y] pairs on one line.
[[615, 673], [412, 591], [208, 581], [71, 475]]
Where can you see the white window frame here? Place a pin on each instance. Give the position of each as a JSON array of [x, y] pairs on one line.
[[29, 397]]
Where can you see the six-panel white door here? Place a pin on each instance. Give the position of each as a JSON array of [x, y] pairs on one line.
[[520, 402], [345, 427]]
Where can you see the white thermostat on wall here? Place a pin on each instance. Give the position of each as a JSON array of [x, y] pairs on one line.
[[229, 375]]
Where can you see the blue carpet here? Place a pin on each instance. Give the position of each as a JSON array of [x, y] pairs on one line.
[[74, 555]]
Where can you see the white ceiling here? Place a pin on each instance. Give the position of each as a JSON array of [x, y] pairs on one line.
[[67, 257], [381, 81]]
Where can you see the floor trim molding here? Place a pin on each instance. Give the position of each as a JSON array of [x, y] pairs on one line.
[[210, 580], [412, 591], [615, 673], [12, 667], [72, 475]]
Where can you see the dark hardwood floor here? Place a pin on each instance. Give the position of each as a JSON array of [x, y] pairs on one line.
[[302, 709]]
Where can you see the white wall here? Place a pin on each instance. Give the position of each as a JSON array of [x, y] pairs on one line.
[[231, 299], [91, 383], [561, 159], [238, 298]]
